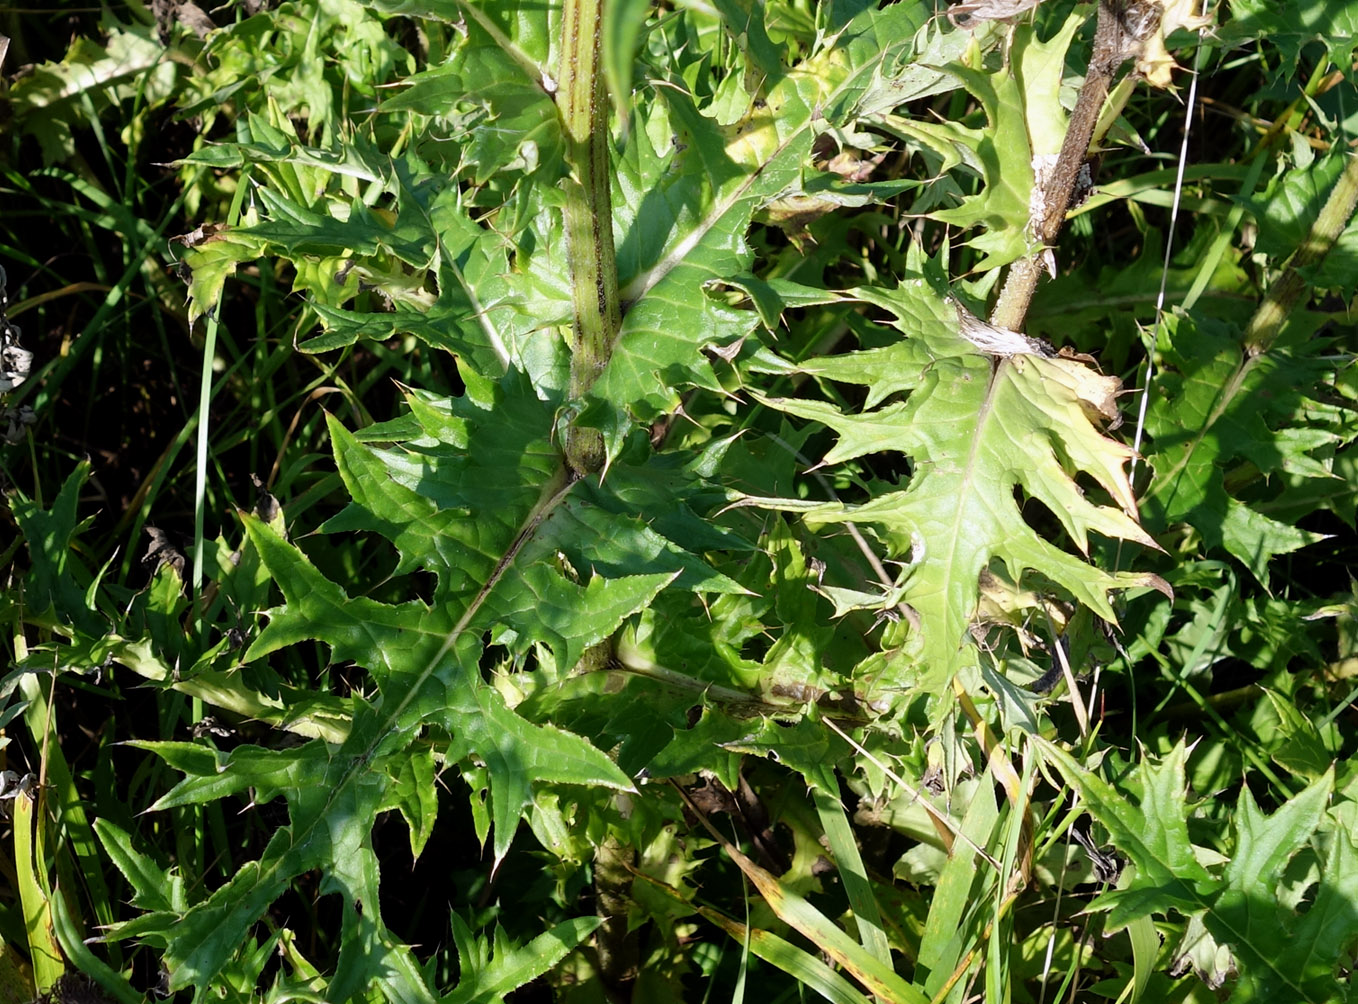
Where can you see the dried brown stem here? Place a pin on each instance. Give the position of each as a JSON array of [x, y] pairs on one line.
[[1119, 34]]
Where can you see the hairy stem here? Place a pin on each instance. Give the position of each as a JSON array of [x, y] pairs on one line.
[[618, 949], [583, 107], [1121, 29], [1284, 295]]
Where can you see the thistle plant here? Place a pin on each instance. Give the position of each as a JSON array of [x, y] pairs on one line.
[[733, 508]]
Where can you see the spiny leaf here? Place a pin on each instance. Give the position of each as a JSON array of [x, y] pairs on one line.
[[1280, 955], [476, 495], [308, 61], [1213, 410], [1287, 209], [416, 796], [974, 430], [1247, 914], [54, 97], [421, 672], [330, 807], [60, 585], [486, 980], [153, 888], [999, 152], [1153, 833], [484, 94], [684, 214], [1292, 28]]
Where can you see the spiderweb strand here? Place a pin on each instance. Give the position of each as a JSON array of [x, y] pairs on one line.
[[1169, 251]]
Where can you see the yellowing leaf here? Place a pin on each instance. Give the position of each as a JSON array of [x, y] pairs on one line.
[[1155, 63]]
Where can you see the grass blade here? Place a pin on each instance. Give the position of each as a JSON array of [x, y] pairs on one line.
[[854, 876]]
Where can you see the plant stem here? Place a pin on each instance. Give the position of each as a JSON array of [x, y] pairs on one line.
[[1284, 295], [583, 107], [1114, 44], [618, 949], [1281, 299]]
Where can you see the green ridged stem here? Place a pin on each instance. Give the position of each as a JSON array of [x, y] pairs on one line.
[[582, 103], [1284, 295]]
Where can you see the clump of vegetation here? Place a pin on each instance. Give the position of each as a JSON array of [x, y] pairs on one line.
[[612, 502]]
